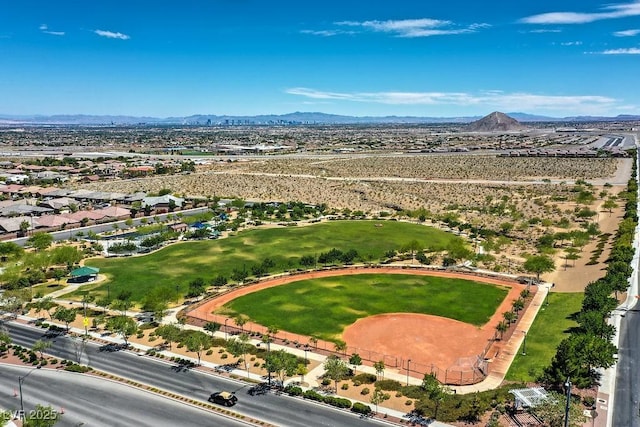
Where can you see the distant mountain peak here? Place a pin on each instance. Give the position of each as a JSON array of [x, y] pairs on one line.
[[495, 121]]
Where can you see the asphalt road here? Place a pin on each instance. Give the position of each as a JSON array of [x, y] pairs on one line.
[[627, 395], [94, 402], [274, 409], [108, 226]]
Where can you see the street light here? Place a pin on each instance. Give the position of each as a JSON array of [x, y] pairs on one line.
[[20, 381], [524, 344], [225, 328], [408, 362], [566, 406]]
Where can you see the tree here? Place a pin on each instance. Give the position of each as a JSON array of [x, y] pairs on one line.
[[282, 364], [355, 360], [240, 320], [379, 367], [457, 250], [539, 264], [24, 227], [595, 323], [509, 317], [340, 346], [66, 315], [609, 205], [377, 397], [578, 356], [551, 411], [239, 347], [197, 287], [197, 342], [517, 304], [307, 260], [435, 391], [169, 333], [40, 240], [40, 346], [42, 416], [219, 280], [212, 327], [335, 369], [124, 326], [47, 305], [10, 250], [502, 327]]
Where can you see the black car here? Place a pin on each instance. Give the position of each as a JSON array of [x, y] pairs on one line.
[[223, 398], [262, 388]]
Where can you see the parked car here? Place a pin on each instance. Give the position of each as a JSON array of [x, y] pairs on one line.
[[223, 398]]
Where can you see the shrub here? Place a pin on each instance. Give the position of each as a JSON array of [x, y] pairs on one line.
[[589, 401], [361, 408], [224, 356], [388, 385], [292, 390], [313, 395], [338, 402], [326, 381], [209, 352], [408, 403], [345, 386], [365, 391], [72, 367], [365, 378]]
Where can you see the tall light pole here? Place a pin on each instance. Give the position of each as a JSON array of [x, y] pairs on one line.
[[225, 328], [524, 344], [408, 362], [566, 406], [20, 379]]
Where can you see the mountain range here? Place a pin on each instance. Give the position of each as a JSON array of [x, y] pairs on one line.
[[273, 119]]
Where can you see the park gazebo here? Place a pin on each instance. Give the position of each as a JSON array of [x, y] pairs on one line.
[[84, 274]]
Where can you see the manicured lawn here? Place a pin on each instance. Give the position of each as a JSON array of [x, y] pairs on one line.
[[174, 267], [549, 328], [46, 288], [324, 307]]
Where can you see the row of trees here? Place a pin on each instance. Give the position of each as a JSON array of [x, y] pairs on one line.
[[589, 345]]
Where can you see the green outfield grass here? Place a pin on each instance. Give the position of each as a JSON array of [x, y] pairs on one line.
[[174, 267], [324, 307], [550, 327]]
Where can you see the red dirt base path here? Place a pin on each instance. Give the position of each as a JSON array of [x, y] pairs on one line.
[[424, 339]]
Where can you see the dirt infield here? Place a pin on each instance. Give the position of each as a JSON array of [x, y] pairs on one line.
[[426, 340]]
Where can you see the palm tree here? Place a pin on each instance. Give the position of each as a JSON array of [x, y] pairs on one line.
[[240, 320], [502, 328], [509, 317], [340, 346]]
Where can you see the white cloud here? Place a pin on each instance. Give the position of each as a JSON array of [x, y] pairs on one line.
[[571, 44], [45, 29], [424, 27], [626, 33], [520, 101], [628, 51], [112, 35], [614, 11], [326, 33], [541, 30]]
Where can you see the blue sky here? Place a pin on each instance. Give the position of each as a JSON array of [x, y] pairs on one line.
[[402, 57]]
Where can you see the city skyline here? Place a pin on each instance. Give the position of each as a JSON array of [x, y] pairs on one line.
[[349, 58]]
